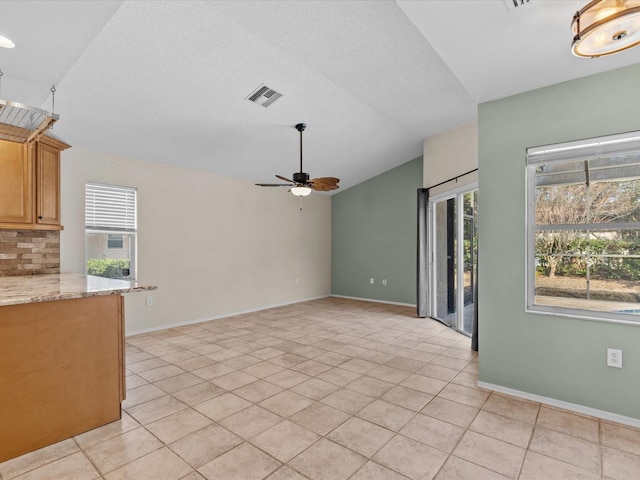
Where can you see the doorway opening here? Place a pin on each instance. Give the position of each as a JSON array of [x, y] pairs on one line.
[[453, 257]]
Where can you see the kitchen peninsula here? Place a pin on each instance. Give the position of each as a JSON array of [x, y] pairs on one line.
[[61, 357]]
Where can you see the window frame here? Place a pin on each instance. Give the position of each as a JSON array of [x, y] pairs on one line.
[[580, 150], [130, 227]]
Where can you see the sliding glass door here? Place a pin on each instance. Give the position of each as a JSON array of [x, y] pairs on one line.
[[453, 257]]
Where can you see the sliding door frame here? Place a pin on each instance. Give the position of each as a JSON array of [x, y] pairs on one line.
[[457, 193]]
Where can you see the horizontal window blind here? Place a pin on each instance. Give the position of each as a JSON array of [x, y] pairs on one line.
[[110, 207], [591, 149], [602, 159]]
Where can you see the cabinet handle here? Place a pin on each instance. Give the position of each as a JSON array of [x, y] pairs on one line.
[[39, 217]]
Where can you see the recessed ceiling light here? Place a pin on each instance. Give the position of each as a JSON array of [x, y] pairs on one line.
[[6, 43]]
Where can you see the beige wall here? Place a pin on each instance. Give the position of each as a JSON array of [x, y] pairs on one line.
[[214, 245], [450, 154]]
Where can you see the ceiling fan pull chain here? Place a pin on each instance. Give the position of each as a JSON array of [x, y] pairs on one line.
[[53, 98], [300, 203]]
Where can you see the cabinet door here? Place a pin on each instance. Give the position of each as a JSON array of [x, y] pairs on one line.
[[16, 183], [47, 185]]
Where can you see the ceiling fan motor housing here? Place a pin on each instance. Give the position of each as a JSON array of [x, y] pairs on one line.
[[301, 177]]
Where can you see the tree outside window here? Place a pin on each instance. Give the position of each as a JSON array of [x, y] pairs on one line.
[[584, 225]]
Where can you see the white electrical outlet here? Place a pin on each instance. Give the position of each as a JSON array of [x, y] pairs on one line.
[[149, 301], [384, 282], [614, 358], [371, 281]]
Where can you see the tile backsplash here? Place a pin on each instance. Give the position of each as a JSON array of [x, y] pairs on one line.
[[29, 252]]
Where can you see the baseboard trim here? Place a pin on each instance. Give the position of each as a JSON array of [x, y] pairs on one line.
[[374, 300], [594, 412], [219, 317]]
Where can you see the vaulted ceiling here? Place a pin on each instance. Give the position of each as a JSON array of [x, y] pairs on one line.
[[168, 81]]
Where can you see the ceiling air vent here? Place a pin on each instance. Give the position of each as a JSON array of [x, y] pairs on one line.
[[264, 96], [512, 5]]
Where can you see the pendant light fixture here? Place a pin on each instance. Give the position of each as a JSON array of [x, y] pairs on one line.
[[604, 27]]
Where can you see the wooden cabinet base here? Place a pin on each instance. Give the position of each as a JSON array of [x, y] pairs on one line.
[[61, 370]]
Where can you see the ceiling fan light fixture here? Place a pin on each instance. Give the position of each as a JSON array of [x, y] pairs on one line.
[[302, 185], [604, 27], [300, 191]]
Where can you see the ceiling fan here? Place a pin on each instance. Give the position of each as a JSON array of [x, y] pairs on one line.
[[301, 185]]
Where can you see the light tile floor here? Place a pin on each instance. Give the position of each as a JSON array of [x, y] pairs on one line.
[[331, 389]]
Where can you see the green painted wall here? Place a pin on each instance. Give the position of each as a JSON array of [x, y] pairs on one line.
[[557, 357], [374, 230]]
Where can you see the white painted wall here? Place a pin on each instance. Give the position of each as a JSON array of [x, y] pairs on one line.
[[214, 245], [450, 154]]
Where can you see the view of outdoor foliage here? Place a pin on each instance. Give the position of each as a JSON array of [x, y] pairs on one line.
[[599, 259], [108, 267]]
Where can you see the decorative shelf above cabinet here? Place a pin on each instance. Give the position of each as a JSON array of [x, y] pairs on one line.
[[30, 184], [22, 123]]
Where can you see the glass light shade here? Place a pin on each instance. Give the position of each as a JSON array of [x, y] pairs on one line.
[[604, 27], [301, 191], [6, 43]]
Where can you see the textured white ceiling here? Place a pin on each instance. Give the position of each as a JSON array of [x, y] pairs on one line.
[[50, 37], [166, 81], [497, 50], [371, 50]]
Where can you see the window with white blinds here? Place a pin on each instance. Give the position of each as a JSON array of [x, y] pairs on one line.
[[110, 207], [110, 231]]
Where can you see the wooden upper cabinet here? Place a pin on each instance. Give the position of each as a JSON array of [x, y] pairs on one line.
[[30, 184], [47, 185], [16, 183]]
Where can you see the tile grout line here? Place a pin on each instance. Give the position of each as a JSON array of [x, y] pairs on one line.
[[601, 448], [533, 432], [451, 454], [87, 457]]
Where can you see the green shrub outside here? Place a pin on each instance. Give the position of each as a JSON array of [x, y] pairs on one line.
[[603, 268], [107, 267]]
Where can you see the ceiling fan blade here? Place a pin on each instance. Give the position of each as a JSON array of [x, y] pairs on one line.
[[275, 184], [285, 179], [324, 184], [324, 181], [323, 187]]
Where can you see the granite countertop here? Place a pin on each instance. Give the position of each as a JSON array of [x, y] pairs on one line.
[[63, 286]]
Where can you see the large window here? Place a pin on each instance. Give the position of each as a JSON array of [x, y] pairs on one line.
[[110, 226], [584, 228]]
